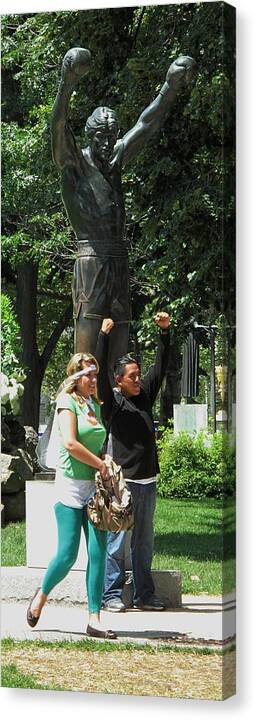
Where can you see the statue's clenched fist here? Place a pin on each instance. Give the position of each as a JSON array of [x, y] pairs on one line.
[[182, 69], [76, 63]]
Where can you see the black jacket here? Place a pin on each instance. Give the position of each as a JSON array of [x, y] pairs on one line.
[[130, 421]]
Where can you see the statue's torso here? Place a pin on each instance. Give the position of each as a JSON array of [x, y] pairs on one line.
[[95, 205]]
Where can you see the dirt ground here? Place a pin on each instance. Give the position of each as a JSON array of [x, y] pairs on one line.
[[172, 674]]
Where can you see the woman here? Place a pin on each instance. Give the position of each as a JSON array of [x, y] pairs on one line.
[[81, 436]]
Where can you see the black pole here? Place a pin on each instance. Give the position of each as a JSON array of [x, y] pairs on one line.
[[229, 386], [211, 333], [213, 397]]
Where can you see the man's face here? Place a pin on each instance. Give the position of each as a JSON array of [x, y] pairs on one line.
[[130, 382], [103, 144]]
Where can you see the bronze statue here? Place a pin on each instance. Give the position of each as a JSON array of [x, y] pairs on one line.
[[93, 197]]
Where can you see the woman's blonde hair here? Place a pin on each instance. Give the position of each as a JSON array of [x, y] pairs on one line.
[[75, 365]]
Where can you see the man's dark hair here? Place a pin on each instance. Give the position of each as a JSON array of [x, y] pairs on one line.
[[120, 364]]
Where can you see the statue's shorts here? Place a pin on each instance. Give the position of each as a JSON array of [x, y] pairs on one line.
[[101, 288]]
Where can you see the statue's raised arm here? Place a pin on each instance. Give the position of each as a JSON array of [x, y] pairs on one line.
[[180, 73], [75, 65]]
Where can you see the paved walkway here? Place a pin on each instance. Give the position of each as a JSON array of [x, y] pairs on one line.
[[201, 619]]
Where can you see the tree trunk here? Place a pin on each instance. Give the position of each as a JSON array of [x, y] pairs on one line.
[[27, 277], [35, 364]]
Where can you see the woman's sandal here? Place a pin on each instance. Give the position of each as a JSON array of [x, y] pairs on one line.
[[105, 634], [31, 619]]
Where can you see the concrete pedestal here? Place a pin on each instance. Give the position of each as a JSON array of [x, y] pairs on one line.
[[190, 418], [168, 588], [41, 531]]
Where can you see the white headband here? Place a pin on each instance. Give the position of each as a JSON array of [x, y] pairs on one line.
[[77, 375]]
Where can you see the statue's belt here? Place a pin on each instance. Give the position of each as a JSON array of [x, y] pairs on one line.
[[102, 249]]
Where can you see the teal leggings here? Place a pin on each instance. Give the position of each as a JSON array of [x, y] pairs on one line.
[[70, 521]]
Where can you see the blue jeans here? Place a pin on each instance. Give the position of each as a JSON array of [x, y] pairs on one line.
[[144, 502]]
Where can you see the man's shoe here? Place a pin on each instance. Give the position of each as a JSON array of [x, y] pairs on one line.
[[152, 604], [114, 605]]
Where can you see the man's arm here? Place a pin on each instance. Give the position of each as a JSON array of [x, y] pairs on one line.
[[104, 386], [180, 72], [153, 379], [75, 65]]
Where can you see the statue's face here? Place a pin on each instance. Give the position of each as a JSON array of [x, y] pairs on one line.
[[102, 144]]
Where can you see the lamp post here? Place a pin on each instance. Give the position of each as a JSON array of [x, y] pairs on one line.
[[211, 333], [213, 395]]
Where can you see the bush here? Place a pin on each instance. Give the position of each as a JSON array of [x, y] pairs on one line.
[[190, 467], [10, 341], [12, 371], [11, 391]]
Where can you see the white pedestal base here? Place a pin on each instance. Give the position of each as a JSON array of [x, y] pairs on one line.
[[190, 418], [41, 530]]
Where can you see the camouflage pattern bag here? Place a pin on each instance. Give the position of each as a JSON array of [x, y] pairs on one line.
[[111, 506]]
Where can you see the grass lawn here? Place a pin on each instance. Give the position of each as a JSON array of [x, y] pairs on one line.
[[13, 544], [11, 677], [134, 670], [195, 537]]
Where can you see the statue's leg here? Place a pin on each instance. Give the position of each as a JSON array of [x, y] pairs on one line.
[[118, 343], [100, 290], [120, 309], [89, 300], [86, 333]]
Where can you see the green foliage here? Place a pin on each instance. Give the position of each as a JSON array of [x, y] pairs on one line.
[[190, 467], [10, 341], [176, 188], [56, 370]]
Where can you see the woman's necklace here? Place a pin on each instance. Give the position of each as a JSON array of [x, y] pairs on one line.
[[91, 415]]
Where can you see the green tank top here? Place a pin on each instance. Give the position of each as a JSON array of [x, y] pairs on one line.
[[91, 436]]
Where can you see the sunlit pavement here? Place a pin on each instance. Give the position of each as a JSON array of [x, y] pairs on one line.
[[201, 619]]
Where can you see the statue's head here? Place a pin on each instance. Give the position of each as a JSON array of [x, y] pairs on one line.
[[102, 129]]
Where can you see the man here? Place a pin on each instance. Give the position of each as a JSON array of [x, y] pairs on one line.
[[93, 197], [127, 412]]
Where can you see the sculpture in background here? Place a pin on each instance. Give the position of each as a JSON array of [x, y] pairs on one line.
[[93, 197], [191, 369]]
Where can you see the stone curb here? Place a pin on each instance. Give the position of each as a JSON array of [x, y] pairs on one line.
[[19, 583]]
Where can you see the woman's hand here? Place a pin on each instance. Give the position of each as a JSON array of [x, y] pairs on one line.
[[107, 326], [104, 471]]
